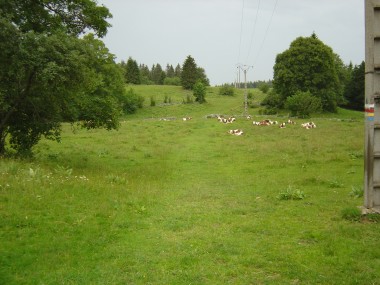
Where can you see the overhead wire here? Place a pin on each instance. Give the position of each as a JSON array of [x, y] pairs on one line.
[[253, 33], [266, 32], [241, 30]]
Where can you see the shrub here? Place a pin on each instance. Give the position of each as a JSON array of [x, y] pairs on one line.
[[226, 90], [302, 104], [199, 92], [264, 87], [176, 81], [273, 101], [131, 102], [291, 194]]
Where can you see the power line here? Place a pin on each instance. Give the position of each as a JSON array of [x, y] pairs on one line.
[[266, 32], [253, 33], [241, 29]]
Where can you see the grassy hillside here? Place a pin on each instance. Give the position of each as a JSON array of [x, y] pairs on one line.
[[184, 202]]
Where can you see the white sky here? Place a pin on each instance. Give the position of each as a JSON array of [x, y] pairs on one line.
[[219, 34]]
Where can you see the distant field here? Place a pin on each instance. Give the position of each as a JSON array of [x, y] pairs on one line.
[[184, 202]]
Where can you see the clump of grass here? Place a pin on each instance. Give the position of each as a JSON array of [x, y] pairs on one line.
[[152, 101], [291, 194], [356, 192], [115, 179], [352, 214], [335, 184]]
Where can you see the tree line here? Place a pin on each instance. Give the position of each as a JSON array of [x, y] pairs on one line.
[[185, 75]]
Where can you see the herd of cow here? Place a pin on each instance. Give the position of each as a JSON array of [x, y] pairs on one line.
[[266, 122]]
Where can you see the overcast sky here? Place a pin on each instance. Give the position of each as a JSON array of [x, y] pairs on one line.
[[219, 34]]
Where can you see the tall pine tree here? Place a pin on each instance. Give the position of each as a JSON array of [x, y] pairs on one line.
[[189, 74], [132, 72]]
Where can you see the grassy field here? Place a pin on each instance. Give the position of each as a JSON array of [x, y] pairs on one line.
[[184, 202]]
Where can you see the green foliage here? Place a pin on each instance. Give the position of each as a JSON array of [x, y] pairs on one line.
[[175, 81], [132, 72], [354, 91], [199, 92], [302, 104], [131, 102], [273, 100], [152, 101], [357, 192], [226, 90], [309, 65], [264, 87], [191, 73], [72, 17], [352, 214], [157, 75], [50, 76], [291, 194]]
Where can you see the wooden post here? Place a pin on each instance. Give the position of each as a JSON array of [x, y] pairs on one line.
[[372, 107]]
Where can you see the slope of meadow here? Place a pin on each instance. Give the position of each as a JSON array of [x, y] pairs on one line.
[[184, 202]]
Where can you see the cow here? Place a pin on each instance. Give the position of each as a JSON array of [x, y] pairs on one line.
[[309, 125], [236, 132]]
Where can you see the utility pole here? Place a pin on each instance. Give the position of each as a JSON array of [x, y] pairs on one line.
[[245, 69], [372, 107]]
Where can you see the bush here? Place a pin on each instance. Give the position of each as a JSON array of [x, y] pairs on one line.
[[176, 81], [131, 102], [199, 92], [264, 87], [227, 90], [273, 101], [302, 104]]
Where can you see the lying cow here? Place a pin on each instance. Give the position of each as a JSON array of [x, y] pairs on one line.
[[236, 132], [309, 125]]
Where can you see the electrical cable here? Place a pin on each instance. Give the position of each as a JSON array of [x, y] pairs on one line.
[[241, 31], [253, 33], [266, 32]]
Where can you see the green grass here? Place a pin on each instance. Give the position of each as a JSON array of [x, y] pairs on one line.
[[174, 202]]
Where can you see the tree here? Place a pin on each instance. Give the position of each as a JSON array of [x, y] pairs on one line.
[[354, 91], [49, 75], [202, 76], [199, 92], [189, 73], [170, 71], [178, 71], [132, 72], [157, 74], [145, 74], [308, 65]]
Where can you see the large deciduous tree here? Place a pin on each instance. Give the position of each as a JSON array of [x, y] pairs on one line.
[[309, 65], [49, 75]]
